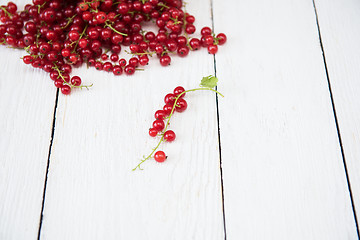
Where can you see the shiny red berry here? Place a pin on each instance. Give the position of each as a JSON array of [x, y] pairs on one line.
[[181, 105], [158, 125], [153, 132], [178, 90], [65, 89], [160, 156], [160, 114], [169, 135]]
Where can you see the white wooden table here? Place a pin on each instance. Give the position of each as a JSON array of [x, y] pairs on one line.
[[277, 158]]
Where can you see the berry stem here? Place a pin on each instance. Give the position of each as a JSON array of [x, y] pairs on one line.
[[81, 35], [70, 20], [5, 11], [112, 28], [168, 122]]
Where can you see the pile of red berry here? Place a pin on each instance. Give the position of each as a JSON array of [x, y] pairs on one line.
[[61, 34]]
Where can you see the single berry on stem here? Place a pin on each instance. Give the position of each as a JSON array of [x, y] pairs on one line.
[[160, 156], [169, 136], [158, 125], [153, 132], [181, 105]]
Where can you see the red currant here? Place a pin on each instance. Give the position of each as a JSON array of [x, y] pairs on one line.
[[181, 105], [212, 49], [221, 37], [75, 80], [205, 31], [167, 109], [160, 114], [158, 125], [65, 89], [169, 98], [178, 90], [169, 135], [160, 156], [153, 132], [165, 60]]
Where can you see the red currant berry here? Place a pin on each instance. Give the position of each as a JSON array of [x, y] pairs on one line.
[[58, 83], [190, 19], [114, 57], [101, 17], [75, 80], [122, 62], [65, 52], [99, 66], [165, 60], [66, 89], [27, 59], [134, 62], [160, 114], [178, 90], [190, 29], [183, 51], [104, 56], [221, 37], [143, 60], [169, 98], [205, 31], [153, 132], [167, 109], [209, 40], [117, 70], [181, 105], [212, 49], [169, 135], [160, 156], [158, 125], [195, 44], [108, 67], [129, 70]]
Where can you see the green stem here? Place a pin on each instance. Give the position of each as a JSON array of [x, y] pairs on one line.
[[112, 28], [70, 20], [82, 34], [141, 54], [6, 12], [163, 5], [168, 123], [68, 83]]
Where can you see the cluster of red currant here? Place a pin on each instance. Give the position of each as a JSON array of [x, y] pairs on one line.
[[173, 102], [158, 125], [61, 34]]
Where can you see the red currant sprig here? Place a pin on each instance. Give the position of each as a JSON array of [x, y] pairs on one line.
[[177, 103]]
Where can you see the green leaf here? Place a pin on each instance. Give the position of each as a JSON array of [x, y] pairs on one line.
[[209, 81]]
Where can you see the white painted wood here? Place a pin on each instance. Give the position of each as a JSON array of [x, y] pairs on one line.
[[101, 134], [283, 172], [339, 21], [27, 100]]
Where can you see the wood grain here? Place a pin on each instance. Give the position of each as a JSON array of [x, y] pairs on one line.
[[339, 21], [27, 100], [283, 171], [101, 135]]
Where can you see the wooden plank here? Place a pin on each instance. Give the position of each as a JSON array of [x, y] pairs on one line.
[[27, 100], [339, 21], [101, 135], [283, 171]]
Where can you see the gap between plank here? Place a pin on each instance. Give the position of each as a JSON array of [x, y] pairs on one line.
[[47, 165], [219, 136], [336, 122]]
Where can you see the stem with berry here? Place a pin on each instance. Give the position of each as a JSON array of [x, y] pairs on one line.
[[207, 83]]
